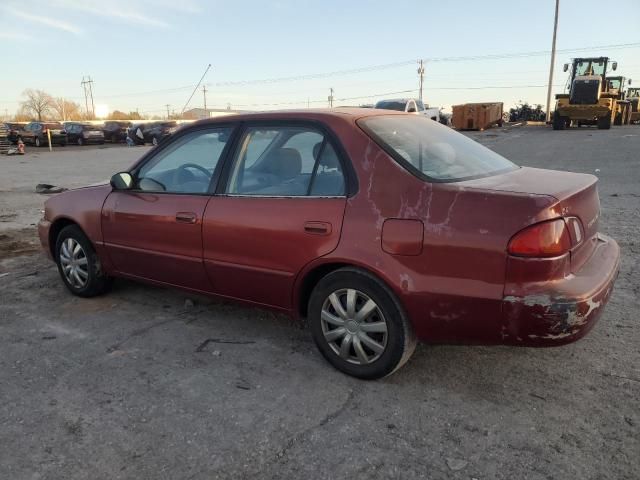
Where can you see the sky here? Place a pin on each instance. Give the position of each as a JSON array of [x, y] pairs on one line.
[[145, 54]]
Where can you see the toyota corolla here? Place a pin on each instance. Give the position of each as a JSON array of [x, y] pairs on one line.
[[380, 228]]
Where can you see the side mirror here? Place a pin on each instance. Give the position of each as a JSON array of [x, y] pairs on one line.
[[614, 65], [122, 181], [566, 67]]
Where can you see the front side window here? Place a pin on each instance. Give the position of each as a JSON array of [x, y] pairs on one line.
[[286, 161], [432, 150], [185, 166]]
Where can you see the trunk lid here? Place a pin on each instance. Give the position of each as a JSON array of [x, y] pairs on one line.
[[576, 195]]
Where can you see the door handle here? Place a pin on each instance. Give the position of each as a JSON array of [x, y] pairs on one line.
[[186, 217], [317, 228]]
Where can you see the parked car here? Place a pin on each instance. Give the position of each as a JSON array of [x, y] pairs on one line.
[[410, 105], [381, 228], [35, 133], [116, 130], [152, 132], [83, 133], [13, 130]]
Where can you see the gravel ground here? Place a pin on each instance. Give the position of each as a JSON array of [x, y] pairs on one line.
[[146, 383]]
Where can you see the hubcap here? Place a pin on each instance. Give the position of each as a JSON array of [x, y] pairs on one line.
[[73, 260], [353, 326]]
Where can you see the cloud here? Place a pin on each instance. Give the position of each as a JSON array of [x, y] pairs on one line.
[[119, 11], [49, 22]]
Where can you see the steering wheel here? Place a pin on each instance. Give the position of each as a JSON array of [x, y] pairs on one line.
[[178, 174]]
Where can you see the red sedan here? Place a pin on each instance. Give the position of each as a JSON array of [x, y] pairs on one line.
[[380, 228]]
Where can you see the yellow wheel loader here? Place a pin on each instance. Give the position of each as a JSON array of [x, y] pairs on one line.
[[589, 100], [633, 95]]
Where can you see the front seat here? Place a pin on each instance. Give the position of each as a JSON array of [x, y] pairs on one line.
[[285, 167], [285, 163]]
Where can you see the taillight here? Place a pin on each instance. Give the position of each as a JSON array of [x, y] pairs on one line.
[[546, 239]]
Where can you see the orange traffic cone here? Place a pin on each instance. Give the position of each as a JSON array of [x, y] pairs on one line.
[[20, 147]]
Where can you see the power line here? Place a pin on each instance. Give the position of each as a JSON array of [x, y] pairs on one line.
[[314, 76]]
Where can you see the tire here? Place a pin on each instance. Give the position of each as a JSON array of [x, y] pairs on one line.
[[36, 142], [618, 120], [604, 123], [89, 280], [80, 141], [155, 141], [558, 121], [387, 325], [63, 144]]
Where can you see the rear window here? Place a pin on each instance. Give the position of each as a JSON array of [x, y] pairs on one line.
[[433, 151], [391, 105]]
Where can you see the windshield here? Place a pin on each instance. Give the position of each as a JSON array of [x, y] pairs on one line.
[[590, 67], [434, 151], [614, 83], [391, 105]]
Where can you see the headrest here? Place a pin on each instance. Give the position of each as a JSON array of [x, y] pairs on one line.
[[285, 162]]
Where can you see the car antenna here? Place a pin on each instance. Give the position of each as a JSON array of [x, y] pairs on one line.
[[194, 90]]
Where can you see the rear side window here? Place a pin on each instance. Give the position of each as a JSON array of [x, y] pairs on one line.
[[286, 161], [433, 151]]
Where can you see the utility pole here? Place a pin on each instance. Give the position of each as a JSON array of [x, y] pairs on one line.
[[330, 97], [168, 105], [421, 74], [204, 92], [87, 85], [553, 60]]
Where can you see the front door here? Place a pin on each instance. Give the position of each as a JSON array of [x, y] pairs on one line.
[[155, 230], [281, 207]]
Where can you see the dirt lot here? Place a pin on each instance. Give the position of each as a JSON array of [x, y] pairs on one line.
[[150, 383]]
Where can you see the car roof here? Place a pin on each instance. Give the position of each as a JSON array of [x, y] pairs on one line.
[[348, 114]]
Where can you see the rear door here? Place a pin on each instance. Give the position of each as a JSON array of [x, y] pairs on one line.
[[155, 231], [279, 207]]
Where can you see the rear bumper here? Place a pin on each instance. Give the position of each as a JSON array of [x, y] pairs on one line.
[[55, 139], [565, 310]]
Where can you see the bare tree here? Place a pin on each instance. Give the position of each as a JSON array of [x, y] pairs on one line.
[[66, 110], [37, 103]]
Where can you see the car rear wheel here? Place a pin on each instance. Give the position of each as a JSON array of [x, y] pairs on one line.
[[80, 141], [37, 142], [79, 265], [154, 141], [358, 324]]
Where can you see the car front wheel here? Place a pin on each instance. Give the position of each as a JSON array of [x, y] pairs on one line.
[[358, 324], [78, 264], [37, 142]]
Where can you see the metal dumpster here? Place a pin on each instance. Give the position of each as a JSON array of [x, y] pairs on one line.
[[476, 116]]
